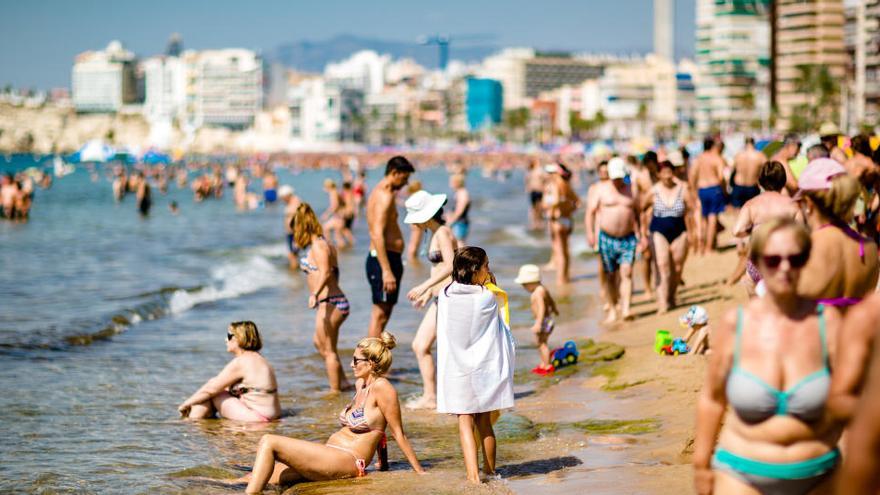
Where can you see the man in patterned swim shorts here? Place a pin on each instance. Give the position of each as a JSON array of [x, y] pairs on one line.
[[613, 205]]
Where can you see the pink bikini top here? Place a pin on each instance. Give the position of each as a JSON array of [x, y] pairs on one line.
[[852, 234]]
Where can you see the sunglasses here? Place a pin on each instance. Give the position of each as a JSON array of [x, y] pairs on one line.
[[229, 336], [795, 260], [357, 360]]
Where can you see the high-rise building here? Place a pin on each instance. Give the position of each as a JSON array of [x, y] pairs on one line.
[[872, 62], [551, 71], [809, 51], [223, 87], [663, 29], [509, 68], [164, 89], [733, 59], [483, 103], [104, 81]]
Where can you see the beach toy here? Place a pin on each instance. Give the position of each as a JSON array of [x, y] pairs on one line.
[[565, 355], [677, 347], [661, 339]]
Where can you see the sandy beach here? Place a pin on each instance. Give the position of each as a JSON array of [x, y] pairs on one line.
[[622, 415]]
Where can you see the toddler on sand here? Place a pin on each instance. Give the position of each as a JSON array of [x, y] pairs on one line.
[[697, 322], [543, 308]]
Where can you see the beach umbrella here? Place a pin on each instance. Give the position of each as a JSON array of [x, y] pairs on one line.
[[771, 148], [154, 157]]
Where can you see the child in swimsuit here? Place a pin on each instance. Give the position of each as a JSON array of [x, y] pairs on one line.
[[543, 308]]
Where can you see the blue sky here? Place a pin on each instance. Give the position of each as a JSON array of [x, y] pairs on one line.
[[40, 38]]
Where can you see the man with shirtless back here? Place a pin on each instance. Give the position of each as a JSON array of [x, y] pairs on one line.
[[707, 178], [746, 165], [791, 146], [384, 263], [616, 206]]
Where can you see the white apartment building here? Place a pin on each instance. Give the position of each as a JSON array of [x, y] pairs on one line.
[[635, 97], [509, 68], [104, 81], [364, 71], [223, 88], [164, 89], [733, 55], [321, 112]]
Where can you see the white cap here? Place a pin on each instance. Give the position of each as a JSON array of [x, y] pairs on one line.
[[422, 205], [285, 191], [616, 168], [528, 274]]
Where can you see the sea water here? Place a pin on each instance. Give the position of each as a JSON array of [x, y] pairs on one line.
[[109, 320]]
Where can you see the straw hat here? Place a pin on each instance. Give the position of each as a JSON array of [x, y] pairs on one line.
[[422, 205], [828, 129], [528, 274]]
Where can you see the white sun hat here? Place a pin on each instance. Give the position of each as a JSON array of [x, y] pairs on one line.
[[285, 191], [422, 205], [528, 274]]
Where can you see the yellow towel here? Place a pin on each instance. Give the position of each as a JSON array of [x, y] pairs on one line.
[[502, 298]]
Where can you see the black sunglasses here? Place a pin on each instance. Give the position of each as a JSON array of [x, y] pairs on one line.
[[795, 260], [357, 360], [229, 336]]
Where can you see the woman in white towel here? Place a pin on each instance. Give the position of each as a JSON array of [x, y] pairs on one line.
[[475, 354]]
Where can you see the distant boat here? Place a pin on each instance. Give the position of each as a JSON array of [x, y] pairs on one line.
[[60, 168]]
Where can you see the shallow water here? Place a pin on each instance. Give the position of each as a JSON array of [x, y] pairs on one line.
[[108, 321]]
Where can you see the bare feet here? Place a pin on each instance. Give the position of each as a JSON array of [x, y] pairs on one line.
[[611, 316], [422, 402]]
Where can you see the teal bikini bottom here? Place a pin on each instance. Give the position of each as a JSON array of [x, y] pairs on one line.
[[772, 478]]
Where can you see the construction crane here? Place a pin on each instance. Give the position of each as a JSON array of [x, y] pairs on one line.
[[443, 40]]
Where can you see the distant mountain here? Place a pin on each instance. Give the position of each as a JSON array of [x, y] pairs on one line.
[[312, 56]]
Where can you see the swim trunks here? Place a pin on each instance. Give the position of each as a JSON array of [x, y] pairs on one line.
[[374, 277], [535, 197], [616, 251], [712, 200], [460, 229], [291, 245], [740, 194]]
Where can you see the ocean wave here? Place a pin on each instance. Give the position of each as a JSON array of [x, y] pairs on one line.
[[244, 274], [229, 281]]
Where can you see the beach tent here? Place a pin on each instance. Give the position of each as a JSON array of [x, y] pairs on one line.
[[94, 151]]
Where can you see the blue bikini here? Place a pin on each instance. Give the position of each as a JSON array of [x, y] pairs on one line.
[[753, 404]]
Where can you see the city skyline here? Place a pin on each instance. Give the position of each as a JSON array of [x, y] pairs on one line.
[[55, 32]]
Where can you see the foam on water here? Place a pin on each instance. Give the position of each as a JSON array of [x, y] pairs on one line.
[[233, 279]]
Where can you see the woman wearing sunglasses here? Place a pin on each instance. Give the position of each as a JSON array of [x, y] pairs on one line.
[[282, 460], [245, 390], [770, 363]]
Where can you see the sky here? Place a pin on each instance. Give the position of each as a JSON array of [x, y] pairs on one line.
[[40, 38]]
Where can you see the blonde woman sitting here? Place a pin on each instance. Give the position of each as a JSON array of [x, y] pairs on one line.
[[245, 390], [348, 452]]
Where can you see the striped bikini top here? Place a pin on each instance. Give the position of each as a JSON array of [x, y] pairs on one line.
[[661, 209], [354, 417]]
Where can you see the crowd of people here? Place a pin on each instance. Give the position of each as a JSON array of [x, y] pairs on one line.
[[790, 386]]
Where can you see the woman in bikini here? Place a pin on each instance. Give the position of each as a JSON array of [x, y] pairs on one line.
[[425, 211], [281, 460], [671, 203], [318, 262], [245, 390], [844, 266], [333, 215], [560, 203], [771, 364]]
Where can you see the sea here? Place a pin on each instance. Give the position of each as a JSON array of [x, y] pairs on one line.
[[108, 320]]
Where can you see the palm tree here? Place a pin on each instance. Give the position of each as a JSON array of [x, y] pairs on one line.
[[822, 91]]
